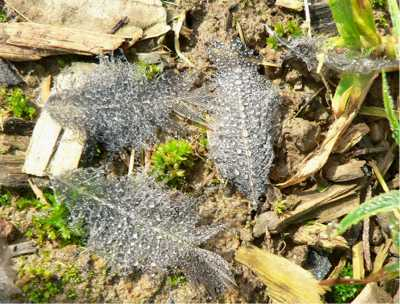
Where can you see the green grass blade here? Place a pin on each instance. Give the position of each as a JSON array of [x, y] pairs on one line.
[[349, 90], [395, 16], [364, 19], [393, 269], [345, 24], [382, 203], [389, 109]]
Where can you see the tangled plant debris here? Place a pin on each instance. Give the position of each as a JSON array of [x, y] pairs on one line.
[[136, 224]]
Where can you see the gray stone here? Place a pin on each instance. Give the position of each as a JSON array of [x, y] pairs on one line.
[[265, 220], [8, 75]]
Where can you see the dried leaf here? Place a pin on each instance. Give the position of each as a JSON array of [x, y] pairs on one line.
[[312, 203], [286, 282], [381, 256], [351, 137], [358, 261]]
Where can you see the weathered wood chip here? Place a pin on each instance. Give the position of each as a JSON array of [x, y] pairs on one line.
[[351, 170], [318, 235], [296, 5], [64, 39], [11, 171]]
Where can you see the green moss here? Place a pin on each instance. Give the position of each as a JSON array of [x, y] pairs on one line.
[[3, 16], [28, 202], [280, 207], [42, 285], [148, 70], [289, 29], [5, 199], [379, 3], [52, 221], [175, 280], [17, 103], [272, 42], [342, 293], [171, 162]]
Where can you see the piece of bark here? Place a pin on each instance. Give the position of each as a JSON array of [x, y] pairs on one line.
[[68, 153], [321, 17], [57, 38], [351, 170], [23, 248], [150, 16], [7, 230], [8, 74], [17, 126], [318, 235], [42, 145], [11, 171], [17, 53], [296, 5]]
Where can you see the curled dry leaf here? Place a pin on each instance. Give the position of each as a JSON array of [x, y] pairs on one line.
[[317, 159], [286, 281], [351, 137]]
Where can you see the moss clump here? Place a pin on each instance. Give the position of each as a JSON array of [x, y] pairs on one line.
[[289, 29], [171, 162], [280, 207], [175, 280], [42, 285], [342, 293], [52, 222], [149, 70], [5, 199], [17, 103], [3, 16]]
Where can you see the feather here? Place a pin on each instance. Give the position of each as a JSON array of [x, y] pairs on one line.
[[135, 223], [117, 106], [244, 120]]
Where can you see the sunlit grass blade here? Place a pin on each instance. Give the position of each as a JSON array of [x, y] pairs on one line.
[[364, 19], [385, 202], [345, 24], [375, 111], [393, 270], [394, 11], [349, 89], [389, 109]]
